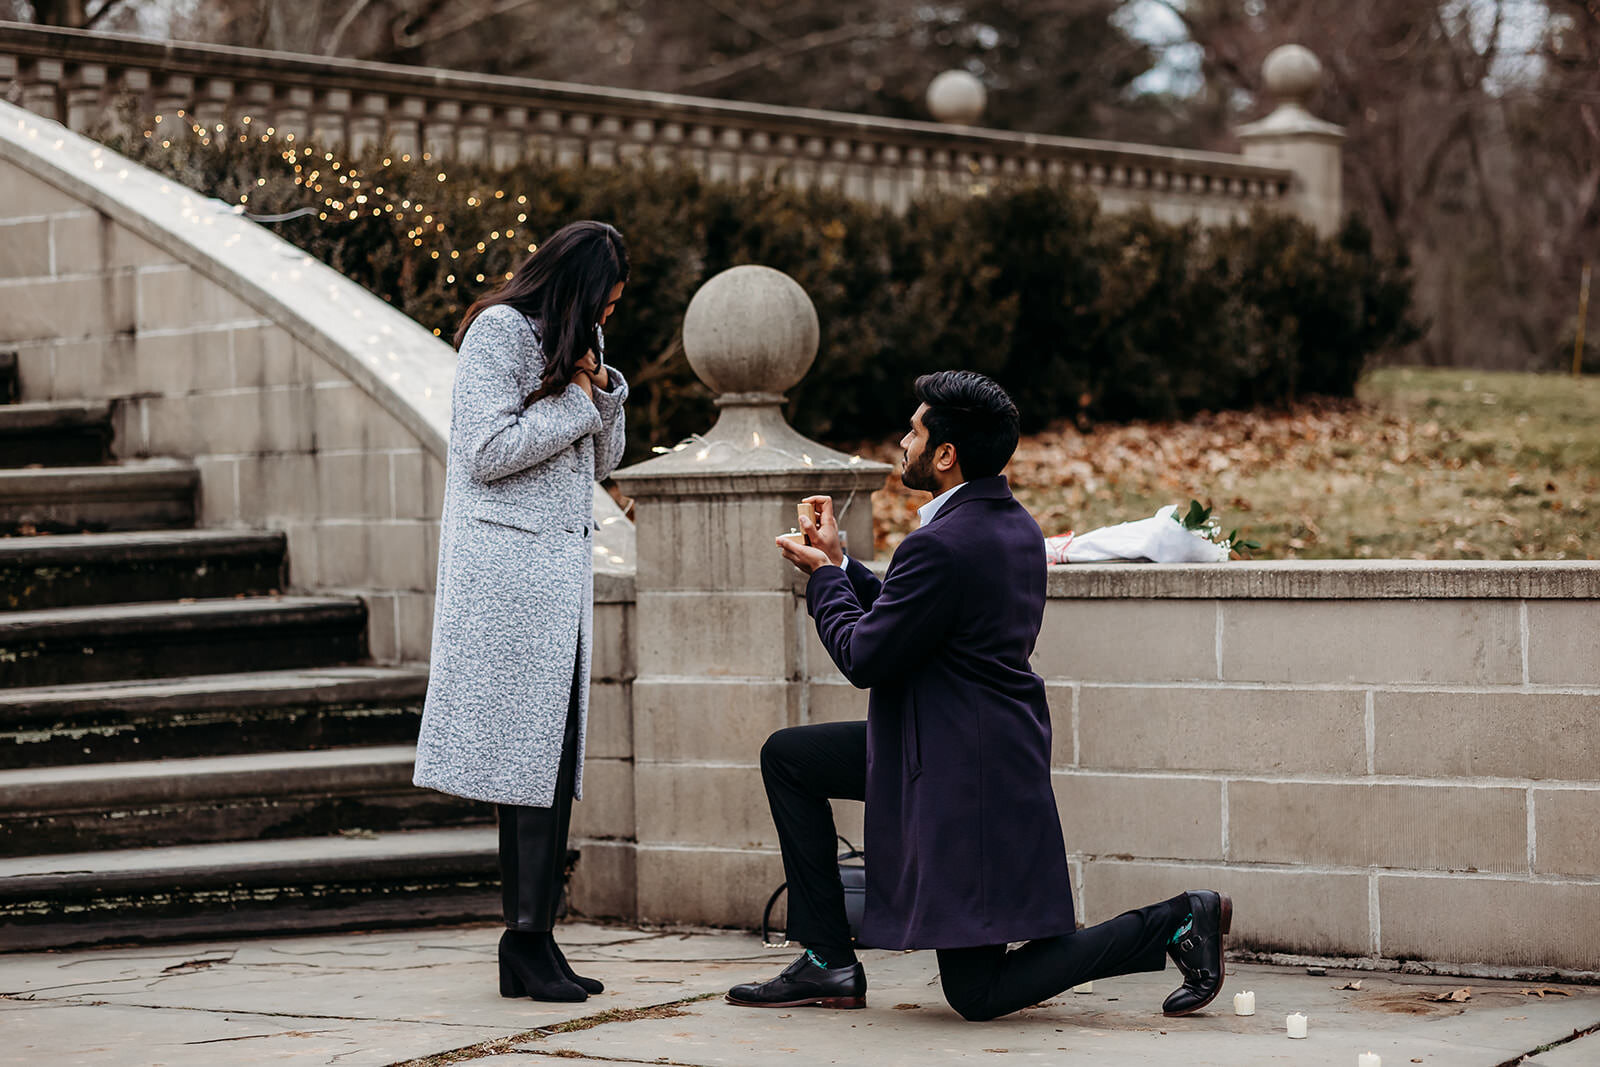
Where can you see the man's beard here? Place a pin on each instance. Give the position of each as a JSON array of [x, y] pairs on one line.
[[919, 475]]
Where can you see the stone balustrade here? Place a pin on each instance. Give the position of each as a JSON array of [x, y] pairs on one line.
[[79, 77]]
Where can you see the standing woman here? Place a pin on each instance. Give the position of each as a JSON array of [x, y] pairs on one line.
[[536, 419]]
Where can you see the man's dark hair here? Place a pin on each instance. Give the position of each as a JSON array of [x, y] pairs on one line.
[[972, 412]]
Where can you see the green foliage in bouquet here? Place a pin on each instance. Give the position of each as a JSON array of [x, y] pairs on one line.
[[1080, 314], [1199, 520]]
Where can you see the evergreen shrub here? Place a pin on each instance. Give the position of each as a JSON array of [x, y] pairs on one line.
[[1081, 314]]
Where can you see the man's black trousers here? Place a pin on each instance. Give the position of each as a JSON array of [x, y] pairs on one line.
[[804, 767]]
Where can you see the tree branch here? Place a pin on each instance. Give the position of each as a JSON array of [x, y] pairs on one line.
[[758, 26], [100, 12], [339, 28], [810, 42], [405, 39]]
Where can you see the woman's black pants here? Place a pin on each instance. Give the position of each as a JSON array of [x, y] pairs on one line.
[[533, 843], [806, 766]]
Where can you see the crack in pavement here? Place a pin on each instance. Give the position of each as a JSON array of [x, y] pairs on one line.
[[257, 1037], [69, 1002], [502, 1045], [1576, 1035]]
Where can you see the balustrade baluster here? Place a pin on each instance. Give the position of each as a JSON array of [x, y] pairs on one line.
[[86, 97]]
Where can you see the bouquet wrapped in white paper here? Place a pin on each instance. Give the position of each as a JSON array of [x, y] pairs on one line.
[[1162, 538]]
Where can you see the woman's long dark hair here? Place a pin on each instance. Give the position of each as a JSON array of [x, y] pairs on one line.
[[564, 287]]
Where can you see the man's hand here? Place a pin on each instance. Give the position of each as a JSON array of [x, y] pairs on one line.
[[805, 557], [823, 535]]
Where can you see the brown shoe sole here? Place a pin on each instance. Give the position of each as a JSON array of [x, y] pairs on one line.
[[1224, 924], [843, 1003]]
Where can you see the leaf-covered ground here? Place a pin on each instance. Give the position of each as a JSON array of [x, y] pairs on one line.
[[1425, 464]]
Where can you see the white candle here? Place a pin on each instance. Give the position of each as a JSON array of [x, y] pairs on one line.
[[1369, 1059], [1244, 1003], [1297, 1025]]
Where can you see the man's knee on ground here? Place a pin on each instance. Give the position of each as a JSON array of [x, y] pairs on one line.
[[969, 1002]]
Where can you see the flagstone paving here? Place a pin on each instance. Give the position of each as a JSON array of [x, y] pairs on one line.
[[399, 997]]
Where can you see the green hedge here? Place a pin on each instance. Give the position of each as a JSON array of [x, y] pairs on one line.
[[1080, 314]]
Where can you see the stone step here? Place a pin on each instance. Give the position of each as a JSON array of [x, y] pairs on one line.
[[135, 495], [55, 434], [69, 570], [108, 642], [224, 798], [209, 715], [316, 884]]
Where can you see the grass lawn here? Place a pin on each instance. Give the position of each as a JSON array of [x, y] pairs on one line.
[[1425, 464]]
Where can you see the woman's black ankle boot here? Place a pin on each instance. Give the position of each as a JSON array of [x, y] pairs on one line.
[[528, 968], [588, 985]]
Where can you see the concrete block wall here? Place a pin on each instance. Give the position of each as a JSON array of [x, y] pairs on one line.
[[282, 438], [1368, 773]]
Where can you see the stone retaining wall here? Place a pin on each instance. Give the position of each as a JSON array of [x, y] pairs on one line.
[[1388, 761]]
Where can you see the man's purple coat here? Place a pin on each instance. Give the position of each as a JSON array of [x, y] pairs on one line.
[[963, 840]]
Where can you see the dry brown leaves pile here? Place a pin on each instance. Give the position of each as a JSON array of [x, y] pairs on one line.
[[1061, 471]]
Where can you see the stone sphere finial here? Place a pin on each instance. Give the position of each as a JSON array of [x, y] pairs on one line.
[[957, 97], [1292, 73], [750, 333]]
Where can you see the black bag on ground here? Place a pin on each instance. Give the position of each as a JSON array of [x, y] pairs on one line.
[[852, 876]]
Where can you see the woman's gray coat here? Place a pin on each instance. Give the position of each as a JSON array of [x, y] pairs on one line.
[[515, 599]]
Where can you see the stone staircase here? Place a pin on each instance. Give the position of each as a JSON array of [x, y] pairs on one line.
[[185, 751]]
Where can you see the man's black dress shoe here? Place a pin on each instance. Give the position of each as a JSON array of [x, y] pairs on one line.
[[1198, 953], [804, 983]]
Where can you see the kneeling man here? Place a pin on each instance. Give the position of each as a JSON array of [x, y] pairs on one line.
[[963, 840]]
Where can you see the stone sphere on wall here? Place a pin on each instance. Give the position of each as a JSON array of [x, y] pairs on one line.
[[957, 97], [750, 329], [1292, 72]]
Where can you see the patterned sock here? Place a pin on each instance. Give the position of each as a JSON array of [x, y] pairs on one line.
[[830, 956], [1188, 924]]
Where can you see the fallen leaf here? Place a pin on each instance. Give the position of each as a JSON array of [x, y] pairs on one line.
[[1455, 995], [1350, 985], [907, 1007], [1544, 991]]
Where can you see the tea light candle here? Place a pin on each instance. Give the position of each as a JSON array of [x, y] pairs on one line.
[[1244, 1003], [1369, 1059], [1297, 1025]]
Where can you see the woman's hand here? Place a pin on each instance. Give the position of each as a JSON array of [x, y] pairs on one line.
[[591, 365]]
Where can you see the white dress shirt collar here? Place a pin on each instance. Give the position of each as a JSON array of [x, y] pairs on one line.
[[927, 511]]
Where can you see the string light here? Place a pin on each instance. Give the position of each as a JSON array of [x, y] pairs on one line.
[[757, 445], [353, 197]]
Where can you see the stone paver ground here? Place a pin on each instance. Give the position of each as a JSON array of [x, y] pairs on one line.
[[414, 996]]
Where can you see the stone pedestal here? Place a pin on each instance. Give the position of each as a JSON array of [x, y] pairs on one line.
[[720, 632], [1293, 138]]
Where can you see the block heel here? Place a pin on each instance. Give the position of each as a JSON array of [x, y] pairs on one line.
[[510, 984]]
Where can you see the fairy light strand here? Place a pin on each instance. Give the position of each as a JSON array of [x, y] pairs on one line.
[[757, 445]]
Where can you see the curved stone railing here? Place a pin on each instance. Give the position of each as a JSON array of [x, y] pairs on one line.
[[75, 76], [307, 403]]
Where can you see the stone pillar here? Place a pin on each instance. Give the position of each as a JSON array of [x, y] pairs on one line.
[[721, 636], [1293, 138]]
